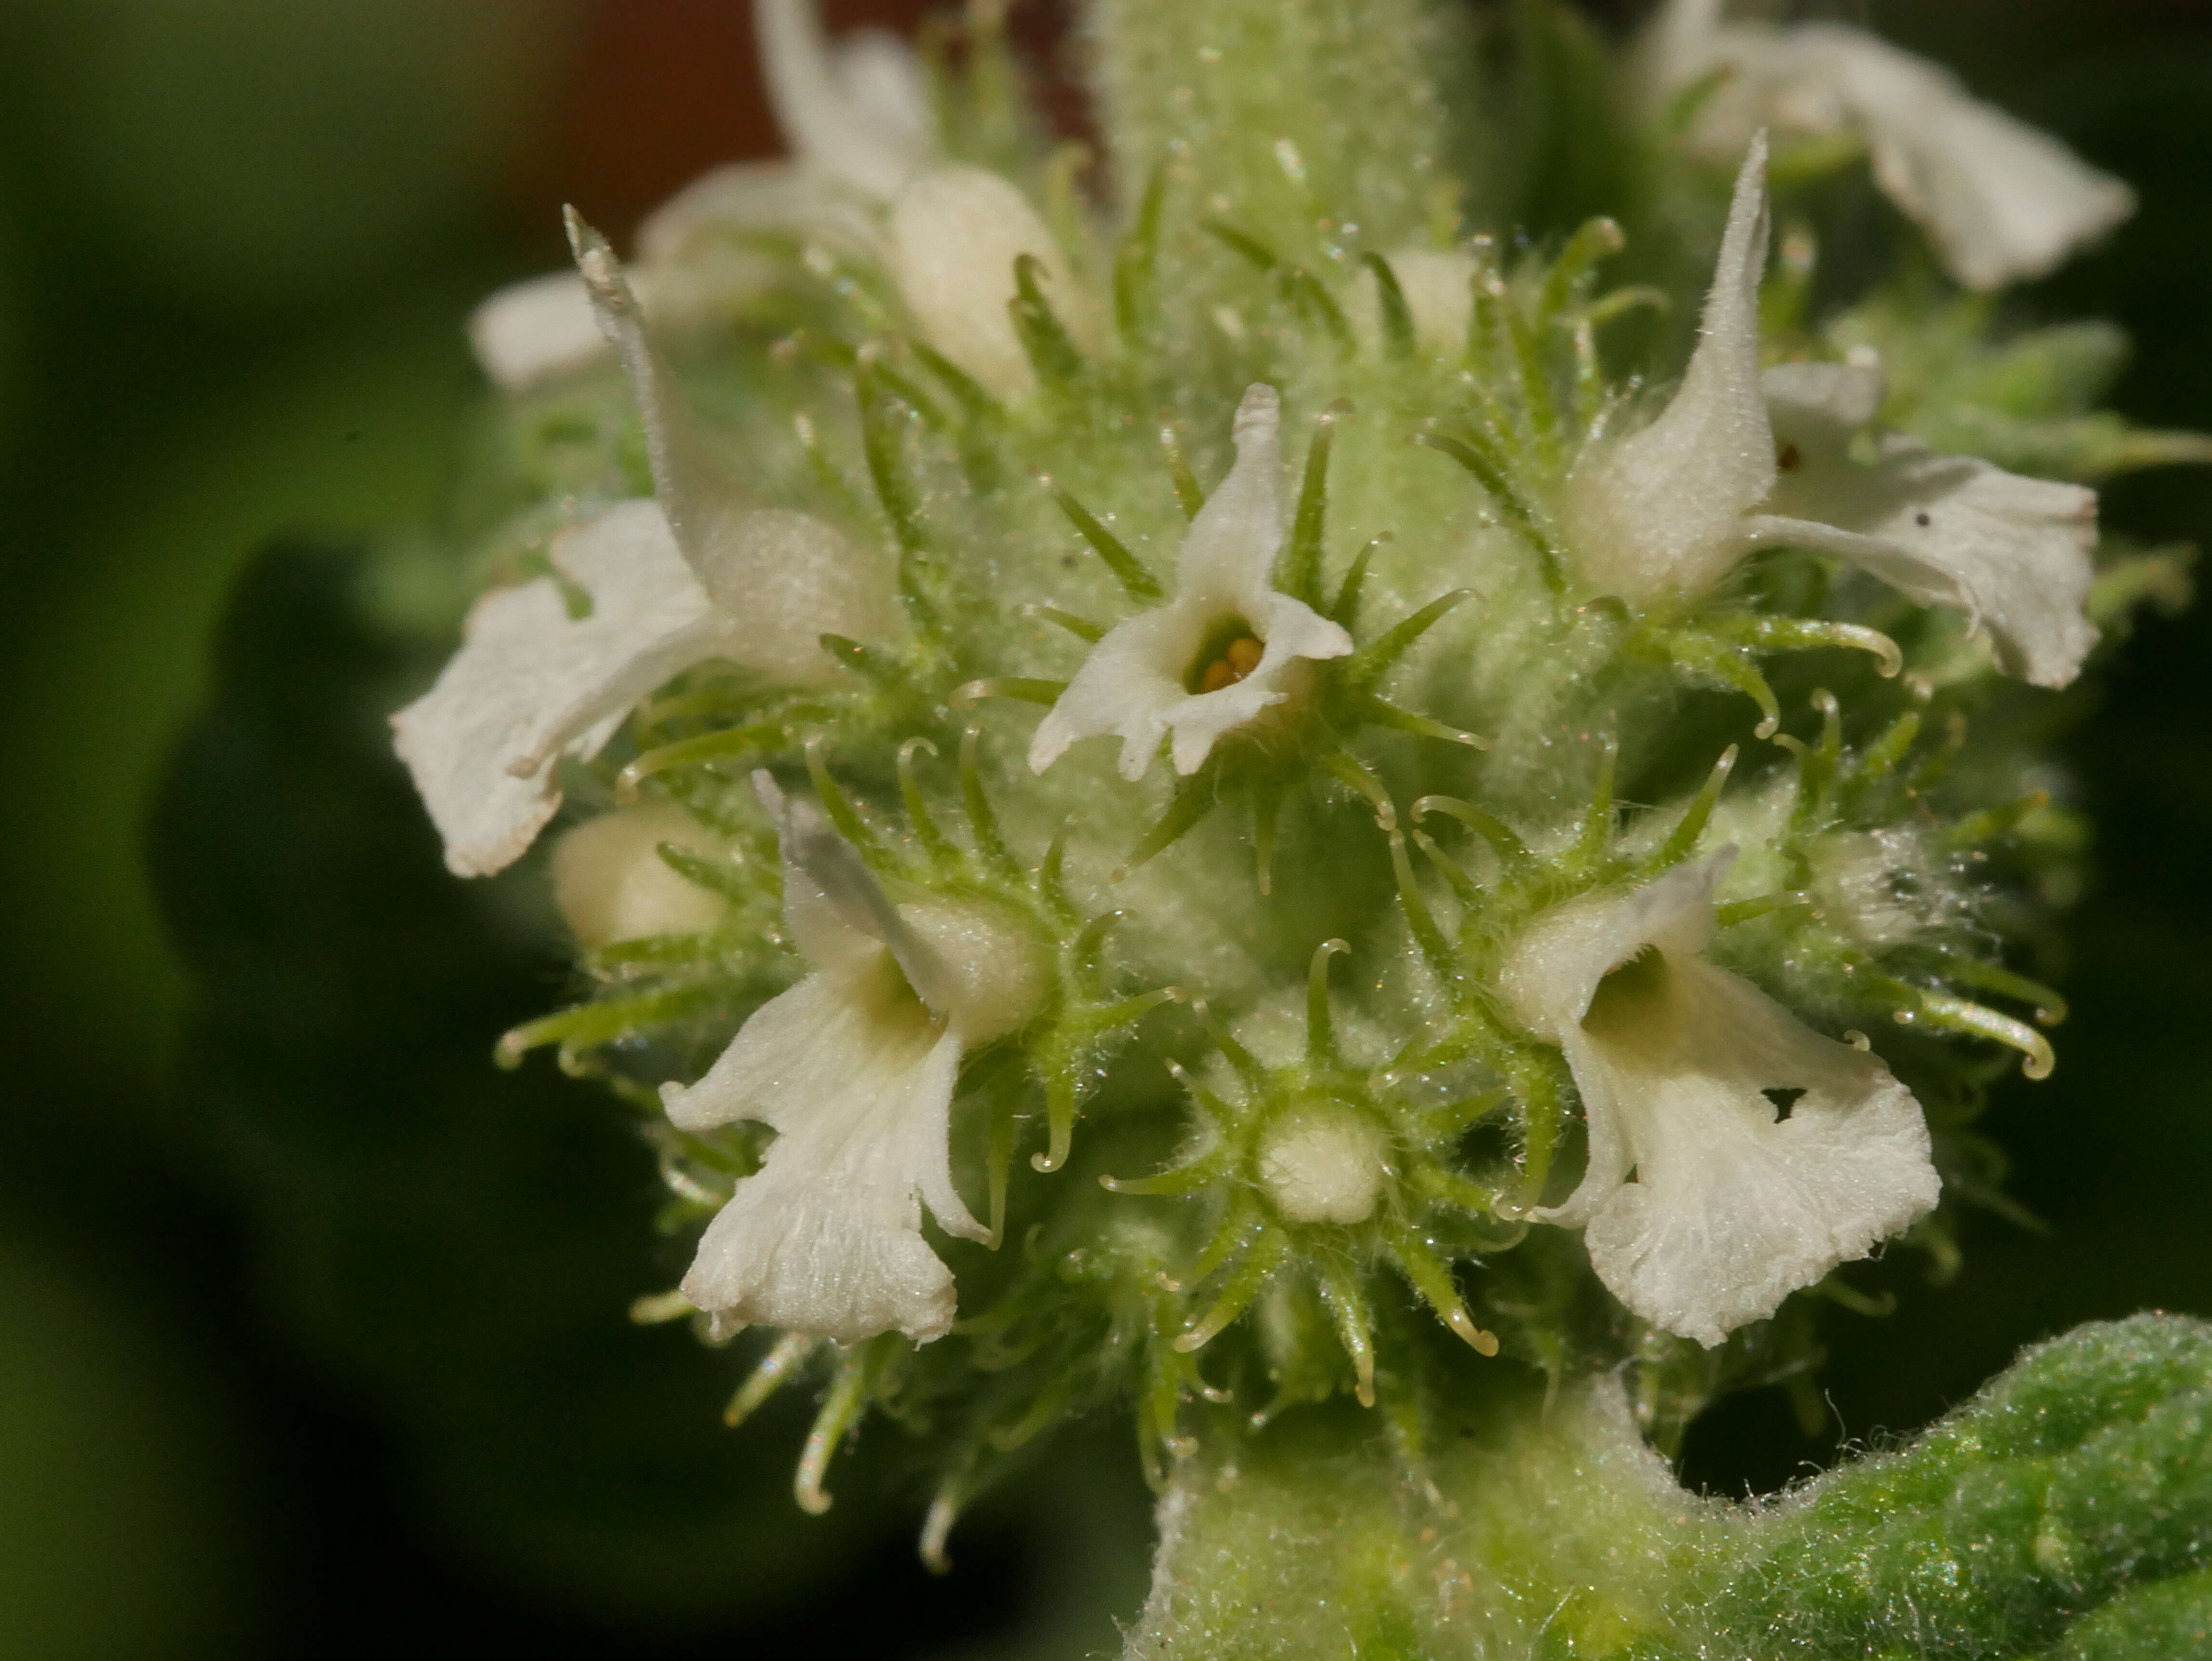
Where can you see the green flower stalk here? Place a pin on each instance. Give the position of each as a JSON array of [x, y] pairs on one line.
[[1648, 721]]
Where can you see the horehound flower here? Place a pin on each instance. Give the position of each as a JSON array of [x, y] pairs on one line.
[[1742, 460], [2001, 201], [2012, 553], [1227, 647], [1734, 1154], [853, 1069], [699, 573]]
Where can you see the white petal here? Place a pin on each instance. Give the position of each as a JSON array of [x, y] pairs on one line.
[[1757, 78], [860, 116], [989, 975], [528, 683], [780, 579], [2014, 553], [955, 233], [883, 79], [967, 961], [1133, 683], [1131, 678], [1822, 405], [2002, 202], [1200, 722], [1661, 511], [1674, 48], [1229, 552], [694, 263], [826, 1237], [1553, 973], [1733, 1209], [612, 884], [535, 331], [694, 489]]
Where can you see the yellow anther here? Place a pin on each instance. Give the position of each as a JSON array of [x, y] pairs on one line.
[[1239, 659]]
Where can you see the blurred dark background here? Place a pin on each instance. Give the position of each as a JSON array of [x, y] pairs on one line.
[[240, 237]]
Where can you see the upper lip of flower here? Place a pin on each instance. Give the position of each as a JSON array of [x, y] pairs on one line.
[[1156, 673]]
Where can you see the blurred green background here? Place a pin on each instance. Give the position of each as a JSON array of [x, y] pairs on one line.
[[312, 1330]]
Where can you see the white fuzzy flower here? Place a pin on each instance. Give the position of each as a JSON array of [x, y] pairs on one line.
[[953, 238], [530, 683], [2013, 553], [854, 1068], [1742, 460], [2001, 201], [1224, 649], [698, 574], [855, 116], [1706, 1201]]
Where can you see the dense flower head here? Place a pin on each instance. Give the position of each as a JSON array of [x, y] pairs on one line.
[[1615, 706]]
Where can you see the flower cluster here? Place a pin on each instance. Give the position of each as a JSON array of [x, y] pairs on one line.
[[1617, 759]]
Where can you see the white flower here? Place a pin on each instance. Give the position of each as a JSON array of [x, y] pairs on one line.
[[2011, 552], [531, 683], [698, 574], [612, 884], [853, 1069], [1706, 1201], [1742, 460], [2001, 201], [856, 118], [1224, 649], [954, 235]]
